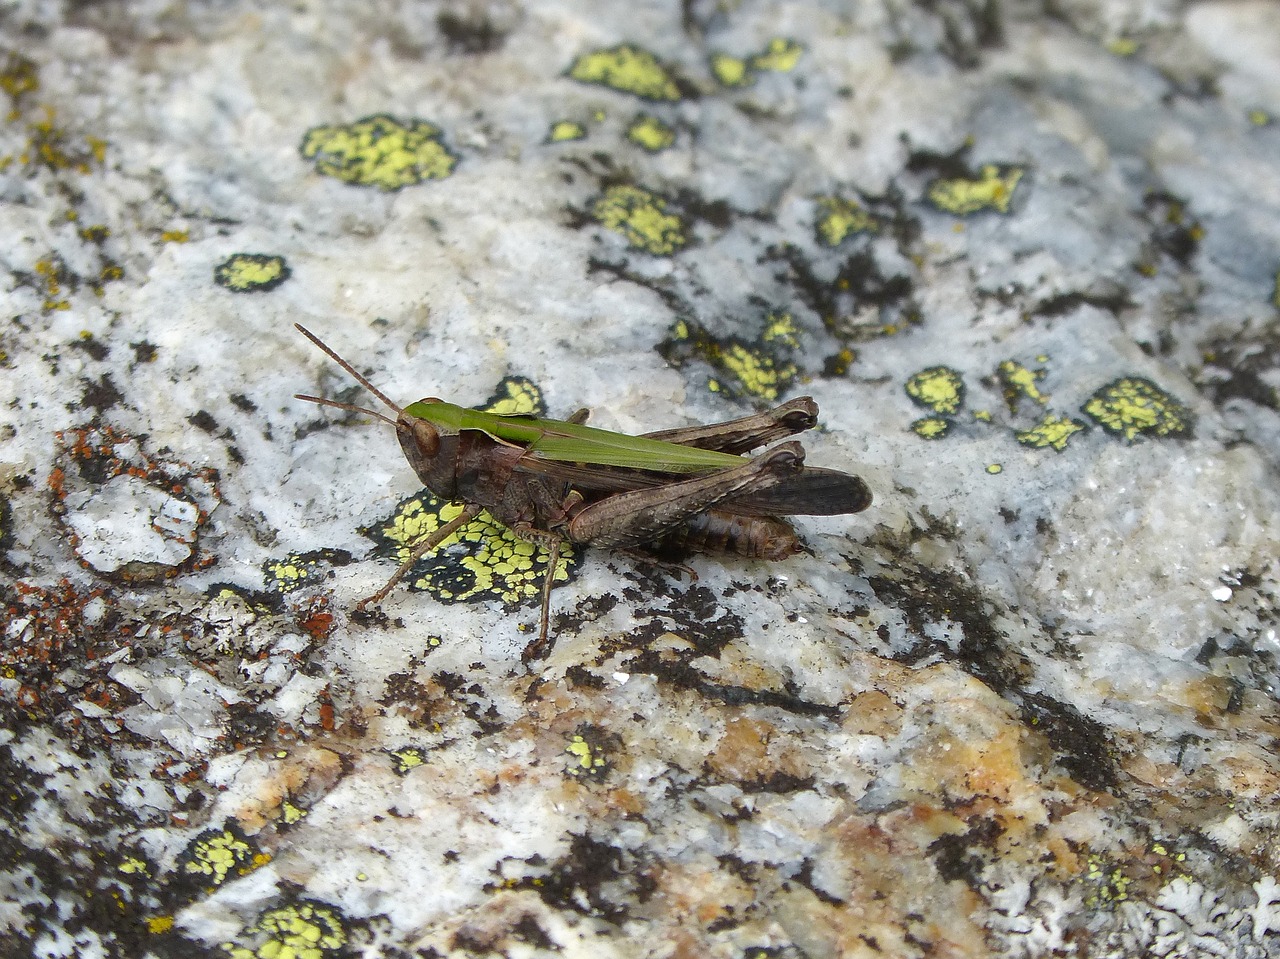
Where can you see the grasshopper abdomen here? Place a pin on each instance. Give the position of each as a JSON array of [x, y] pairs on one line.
[[728, 534]]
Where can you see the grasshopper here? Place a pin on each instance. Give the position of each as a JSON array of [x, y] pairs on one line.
[[668, 493]]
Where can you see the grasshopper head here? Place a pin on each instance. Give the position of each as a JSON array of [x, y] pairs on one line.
[[431, 448]]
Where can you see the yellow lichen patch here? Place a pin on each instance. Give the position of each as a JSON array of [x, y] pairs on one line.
[[47, 146], [1134, 406], [781, 56], [159, 924], [175, 236], [251, 272], [931, 427], [379, 151], [303, 930], [938, 388], [758, 372], [586, 757], [565, 130], [218, 854], [1017, 380], [730, 71], [133, 866], [650, 133], [1052, 431], [1111, 883], [290, 814], [405, 760], [995, 469], [628, 69], [18, 76], [55, 275], [838, 363], [992, 189], [758, 369], [108, 274], [515, 396], [301, 569], [641, 218], [780, 328], [482, 560], [1123, 46], [839, 218], [1259, 118]]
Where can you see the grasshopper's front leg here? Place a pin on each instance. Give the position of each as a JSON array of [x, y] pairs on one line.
[[641, 516], [469, 512]]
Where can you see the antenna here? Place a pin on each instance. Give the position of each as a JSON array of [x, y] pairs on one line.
[[343, 406], [350, 369]]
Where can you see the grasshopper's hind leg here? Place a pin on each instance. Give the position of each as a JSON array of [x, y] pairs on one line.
[[642, 516], [748, 432], [468, 513]]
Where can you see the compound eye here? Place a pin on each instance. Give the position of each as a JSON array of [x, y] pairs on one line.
[[426, 437]]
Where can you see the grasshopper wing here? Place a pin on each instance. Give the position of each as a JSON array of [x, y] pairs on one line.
[[813, 491]]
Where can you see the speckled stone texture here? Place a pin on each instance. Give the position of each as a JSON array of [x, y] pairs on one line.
[[1023, 256]]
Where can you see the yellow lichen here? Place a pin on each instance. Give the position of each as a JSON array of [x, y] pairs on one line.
[[781, 55], [627, 69], [1052, 431], [1134, 406], [780, 328], [640, 217], [47, 146], [216, 855], [651, 134], [251, 272], [1017, 380], [379, 151], [407, 759], [730, 71], [515, 395], [300, 569], [565, 130], [55, 275], [931, 427], [839, 218], [587, 760], [991, 190], [304, 930], [1112, 883], [938, 388], [758, 368], [758, 372], [290, 814], [19, 75]]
